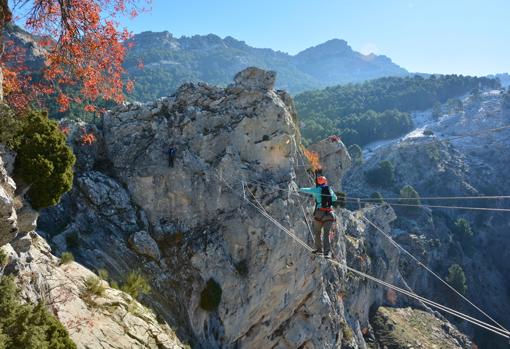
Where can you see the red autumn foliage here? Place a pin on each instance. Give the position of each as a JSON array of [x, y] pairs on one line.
[[65, 130], [84, 49], [87, 139], [313, 158]]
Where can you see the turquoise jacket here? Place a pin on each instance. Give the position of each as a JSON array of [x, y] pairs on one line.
[[316, 192]]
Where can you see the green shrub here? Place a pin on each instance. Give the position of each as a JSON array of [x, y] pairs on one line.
[[242, 268], [136, 285], [103, 274], [10, 127], [4, 258], [347, 334], [383, 175], [114, 284], [457, 279], [356, 154], [210, 297], [73, 240], [44, 162], [409, 196], [465, 235], [28, 326], [462, 229], [94, 286], [66, 258], [377, 197]]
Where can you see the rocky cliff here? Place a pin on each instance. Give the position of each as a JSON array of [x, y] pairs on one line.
[[222, 274], [109, 320], [453, 157]]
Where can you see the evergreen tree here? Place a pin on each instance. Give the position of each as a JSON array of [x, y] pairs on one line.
[[464, 234], [44, 161], [377, 197], [457, 279], [27, 326], [409, 196], [383, 175]]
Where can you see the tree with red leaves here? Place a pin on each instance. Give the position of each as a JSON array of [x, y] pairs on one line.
[[84, 47]]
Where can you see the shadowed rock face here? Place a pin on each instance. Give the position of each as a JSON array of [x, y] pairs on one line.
[[8, 217], [110, 320], [234, 147], [458, 167]]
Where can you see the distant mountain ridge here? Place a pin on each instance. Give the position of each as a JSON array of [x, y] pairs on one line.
[[169, 61]]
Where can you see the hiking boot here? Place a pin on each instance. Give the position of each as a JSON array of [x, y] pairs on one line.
[[317, 252], [327, 255]]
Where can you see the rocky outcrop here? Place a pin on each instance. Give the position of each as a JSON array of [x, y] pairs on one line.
[[8, 218], [403, 328], [334, 158], [236, 148], [110, 320], [448, 163]]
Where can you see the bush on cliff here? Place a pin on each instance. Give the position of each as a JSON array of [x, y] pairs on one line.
[[456, 278], [10, 126], [44, 162], [465, 235], [409, 196], [28, 326], [383, 175], [136, 285], [210, 297]]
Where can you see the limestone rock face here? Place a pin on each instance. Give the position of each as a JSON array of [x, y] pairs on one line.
[[8, 217], [406, 328], [144, 244], [334, 158], [111, 320], [255, 78], [455, 167], [237, 162]]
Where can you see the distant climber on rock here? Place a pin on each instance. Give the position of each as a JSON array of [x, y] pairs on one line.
[[324, 217], [171, 156]]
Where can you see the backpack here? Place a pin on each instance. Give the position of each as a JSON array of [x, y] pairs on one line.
[[326, 198]]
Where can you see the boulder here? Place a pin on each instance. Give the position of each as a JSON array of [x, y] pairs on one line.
[[255, 78], [334, 159], [145, 245]]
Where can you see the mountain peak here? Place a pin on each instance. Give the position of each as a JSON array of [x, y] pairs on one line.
[[330, 47]]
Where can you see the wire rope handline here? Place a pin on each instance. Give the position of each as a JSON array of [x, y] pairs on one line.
[[396, 244], [495, 209], [450, 311], [481, 197]]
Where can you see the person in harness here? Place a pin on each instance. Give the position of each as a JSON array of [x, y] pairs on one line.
[[323, 215], [171, 156]]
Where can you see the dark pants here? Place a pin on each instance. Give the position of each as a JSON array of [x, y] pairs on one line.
[[171, 157], [323, 221]]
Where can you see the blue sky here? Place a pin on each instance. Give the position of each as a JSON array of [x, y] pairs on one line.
[[433, 36]]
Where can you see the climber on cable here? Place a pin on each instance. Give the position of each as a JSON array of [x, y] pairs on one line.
[[323, 215], [171, 156]]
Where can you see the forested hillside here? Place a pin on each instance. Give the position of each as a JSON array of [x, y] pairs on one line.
[[160, 62], [378, 109]]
